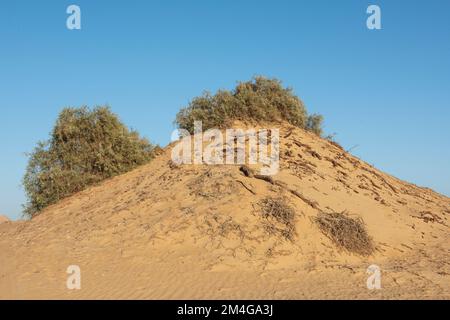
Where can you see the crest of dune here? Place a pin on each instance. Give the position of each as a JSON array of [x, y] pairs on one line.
[[3, 219]]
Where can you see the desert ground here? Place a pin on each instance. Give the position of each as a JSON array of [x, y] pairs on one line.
[[168, 231]]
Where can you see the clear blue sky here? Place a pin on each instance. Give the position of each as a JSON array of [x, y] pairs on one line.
[[387, 91]]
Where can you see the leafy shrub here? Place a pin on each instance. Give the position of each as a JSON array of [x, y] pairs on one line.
[[314, 124], [85, 147], [260, 99]]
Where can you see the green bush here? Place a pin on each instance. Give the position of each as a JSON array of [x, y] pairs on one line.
[[260, 99], [314, 124], [85, 147]]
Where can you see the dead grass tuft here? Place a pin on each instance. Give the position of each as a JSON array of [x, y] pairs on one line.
[[279, 217], [345, 232]]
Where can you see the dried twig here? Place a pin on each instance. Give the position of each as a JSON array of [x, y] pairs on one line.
[[246, 187]]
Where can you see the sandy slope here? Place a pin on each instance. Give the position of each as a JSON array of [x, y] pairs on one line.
[[195, 232], [3, 219]]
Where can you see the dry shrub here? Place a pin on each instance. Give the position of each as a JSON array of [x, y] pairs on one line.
[[279, 217], [345, 232], [221, 226]]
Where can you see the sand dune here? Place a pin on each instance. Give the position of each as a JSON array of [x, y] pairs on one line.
[[3, 218], [165, 231]]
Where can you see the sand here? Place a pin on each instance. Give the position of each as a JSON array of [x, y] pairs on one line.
[[3, 218], [195, 232]]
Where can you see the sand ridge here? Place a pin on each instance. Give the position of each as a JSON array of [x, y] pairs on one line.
[[3, 219]]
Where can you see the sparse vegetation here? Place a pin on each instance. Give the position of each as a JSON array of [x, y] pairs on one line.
[[279, 217], [260, 99], [314, 124], [345, 232], [86, 146]]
